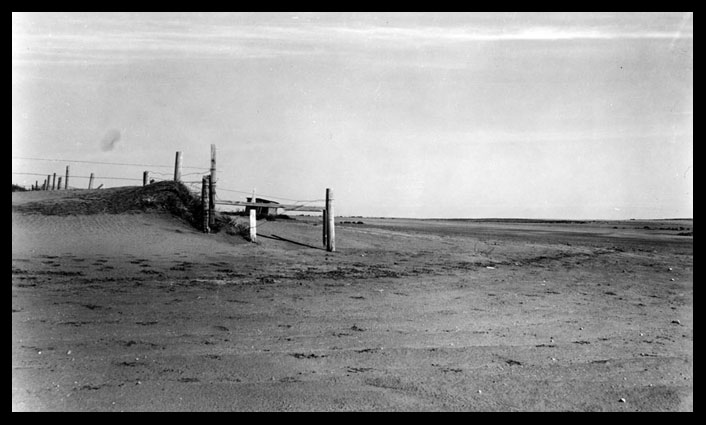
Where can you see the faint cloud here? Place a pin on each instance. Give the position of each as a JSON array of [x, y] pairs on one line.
[[112, 38]]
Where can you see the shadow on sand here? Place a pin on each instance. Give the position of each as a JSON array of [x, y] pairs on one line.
[[279, 238]]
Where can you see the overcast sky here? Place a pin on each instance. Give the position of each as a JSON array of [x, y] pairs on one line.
[[407, 115]]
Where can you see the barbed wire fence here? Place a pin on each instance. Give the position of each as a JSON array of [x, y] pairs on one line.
[[196, 187], [156, 176], [46, 185]]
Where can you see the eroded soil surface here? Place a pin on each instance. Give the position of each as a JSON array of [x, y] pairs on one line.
[[141, 312]]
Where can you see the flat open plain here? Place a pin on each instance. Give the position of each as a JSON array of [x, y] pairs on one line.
[[143, 312]]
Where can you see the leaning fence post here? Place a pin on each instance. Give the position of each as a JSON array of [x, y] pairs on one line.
[[90, 182], [177, 167], [253, 225], [66, 182], [204, 203], [212, 189], [59, 181], [53, 182], [145, 178], [48, 182], [330, 231]]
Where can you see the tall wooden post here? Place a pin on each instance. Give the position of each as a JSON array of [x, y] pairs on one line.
[[330, 231], [48, 182], [36, 185], [204, 202], [66, 182], [53, 181], [253, 225], [211, 204], [177, 167], [145, 178], [90, 182], [212, 189], [59, 181], [323, 225], [44, 185]]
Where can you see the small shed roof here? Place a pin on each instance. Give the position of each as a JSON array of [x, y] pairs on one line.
[[262, 200]]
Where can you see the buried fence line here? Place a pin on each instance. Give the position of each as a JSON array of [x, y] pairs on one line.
[[208, 193], [105, 163], [92, 176], [50, 183]]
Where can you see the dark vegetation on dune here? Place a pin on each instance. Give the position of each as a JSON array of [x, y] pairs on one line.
[[167, 196], [163, 197]]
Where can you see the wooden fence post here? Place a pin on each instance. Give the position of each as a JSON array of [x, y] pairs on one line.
[[36, 185], [44, 185], [253, 225], [211, 204], [66, 182], [48, 182], [145, 178], [204, 202], [60, 181], [330, 231], [323, 225], [53, 182], [90, 182], [177, 167], [212, 189]]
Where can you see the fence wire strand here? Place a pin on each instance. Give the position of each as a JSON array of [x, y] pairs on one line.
[[194, 186], [105, 163]]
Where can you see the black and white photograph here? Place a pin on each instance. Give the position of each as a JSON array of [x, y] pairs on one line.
[[352, 211]]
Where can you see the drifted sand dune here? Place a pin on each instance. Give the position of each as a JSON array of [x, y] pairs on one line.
[[120, 303]]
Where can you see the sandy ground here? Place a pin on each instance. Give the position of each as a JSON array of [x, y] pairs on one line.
[[140, 312]]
